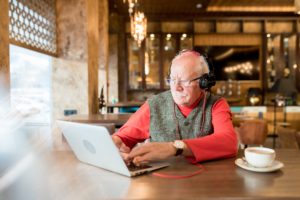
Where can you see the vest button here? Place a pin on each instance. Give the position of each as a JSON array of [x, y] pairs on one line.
[[186, 123]]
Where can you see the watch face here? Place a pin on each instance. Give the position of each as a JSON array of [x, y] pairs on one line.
[[179, 144]]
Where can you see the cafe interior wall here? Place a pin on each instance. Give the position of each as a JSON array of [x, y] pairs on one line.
[[69, 76], [70, 67], [228, 32], [113, 78]]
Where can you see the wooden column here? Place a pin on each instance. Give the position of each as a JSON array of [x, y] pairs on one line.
[[103, 48], [297, 70], [93, 52], [4, 51]]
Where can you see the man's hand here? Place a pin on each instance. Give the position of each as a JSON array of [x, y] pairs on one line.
[[151, 151], [124, 150]]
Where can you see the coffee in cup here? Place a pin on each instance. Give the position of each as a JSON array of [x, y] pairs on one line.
[[260, 156]]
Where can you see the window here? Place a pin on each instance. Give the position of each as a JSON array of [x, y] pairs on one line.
[[30, 74], [33, 24]]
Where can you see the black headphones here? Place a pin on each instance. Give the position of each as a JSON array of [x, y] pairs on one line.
[[207, 80]]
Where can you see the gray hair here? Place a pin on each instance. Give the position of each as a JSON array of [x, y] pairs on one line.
[[204, 65]]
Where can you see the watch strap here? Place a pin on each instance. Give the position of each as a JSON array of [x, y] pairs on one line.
[[178, 152]]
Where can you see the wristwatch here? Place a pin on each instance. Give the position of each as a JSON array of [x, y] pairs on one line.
[[179, 145]]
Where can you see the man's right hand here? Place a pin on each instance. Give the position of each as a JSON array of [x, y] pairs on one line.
[[124, 150]]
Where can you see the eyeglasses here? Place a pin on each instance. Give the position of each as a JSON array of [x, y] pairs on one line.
[[183, 83]]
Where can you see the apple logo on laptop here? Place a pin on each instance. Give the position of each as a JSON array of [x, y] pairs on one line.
[[89, 146]]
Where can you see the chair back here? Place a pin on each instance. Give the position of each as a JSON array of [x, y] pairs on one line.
[[287, 138], [252, 132], [297, 134]]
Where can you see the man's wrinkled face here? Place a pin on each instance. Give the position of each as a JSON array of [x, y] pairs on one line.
[[183, 69]]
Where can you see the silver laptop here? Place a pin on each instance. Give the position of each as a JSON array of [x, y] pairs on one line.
[[93, 145]]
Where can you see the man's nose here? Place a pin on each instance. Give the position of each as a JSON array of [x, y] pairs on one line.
[[178, 86]]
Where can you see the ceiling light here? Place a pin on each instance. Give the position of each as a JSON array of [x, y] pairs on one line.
[[297, 6], [295, 66], [138, 21], [198, 5], [138, 26], [131, 4]]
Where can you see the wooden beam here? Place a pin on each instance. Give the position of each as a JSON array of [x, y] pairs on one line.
[[227, 39], [93, 52], [4, 51]]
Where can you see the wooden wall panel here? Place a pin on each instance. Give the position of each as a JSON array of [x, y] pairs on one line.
[[228, 27], [252, 27], [127, 27], [279, 27], [204, 27], [166, 27], [224, 39], [152, 27], [298, 26], [4, 51], [177, 27], [251, 6]]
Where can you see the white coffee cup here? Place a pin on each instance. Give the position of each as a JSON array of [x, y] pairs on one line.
[[260, 156]]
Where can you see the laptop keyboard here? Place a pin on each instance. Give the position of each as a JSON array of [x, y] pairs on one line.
[[133, 167]]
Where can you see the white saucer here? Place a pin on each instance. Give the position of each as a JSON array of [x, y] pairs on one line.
[[243, 164]]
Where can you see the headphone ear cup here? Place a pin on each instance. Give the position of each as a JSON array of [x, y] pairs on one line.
[[206, 81], [212, 80], [203, 81]]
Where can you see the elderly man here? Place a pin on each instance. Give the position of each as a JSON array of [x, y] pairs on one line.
[[187, 120]]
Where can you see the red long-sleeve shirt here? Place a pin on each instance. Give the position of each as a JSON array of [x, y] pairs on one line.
[[220, 144]]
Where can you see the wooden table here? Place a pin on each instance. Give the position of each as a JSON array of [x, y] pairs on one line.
[[59, 175], [121, 118], [117, 119]]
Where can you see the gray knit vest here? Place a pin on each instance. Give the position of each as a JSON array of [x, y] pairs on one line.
[[163, 124]]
